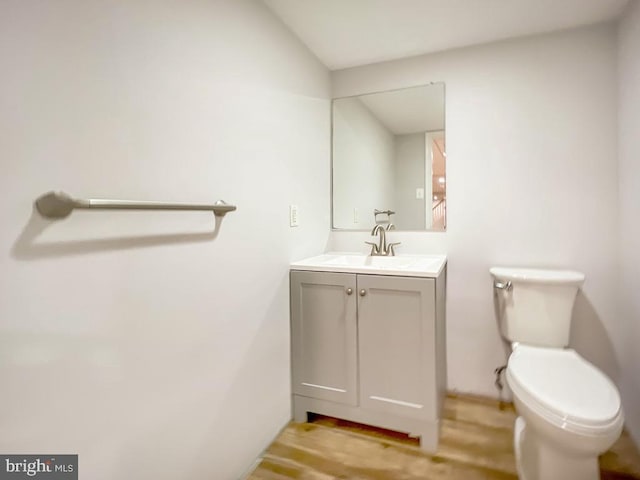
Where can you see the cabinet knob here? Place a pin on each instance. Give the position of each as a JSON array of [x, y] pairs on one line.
[[349, 291], [363, 292]]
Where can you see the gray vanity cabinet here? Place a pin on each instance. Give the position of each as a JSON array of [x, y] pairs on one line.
[[370, 349]]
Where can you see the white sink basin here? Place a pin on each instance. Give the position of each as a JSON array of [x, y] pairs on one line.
[[406, 265], [368, 261]]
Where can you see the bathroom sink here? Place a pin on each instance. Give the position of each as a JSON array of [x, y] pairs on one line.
[[369, 261], [406, 265]]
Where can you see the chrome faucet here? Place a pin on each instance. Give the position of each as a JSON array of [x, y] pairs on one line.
[[382, 249]]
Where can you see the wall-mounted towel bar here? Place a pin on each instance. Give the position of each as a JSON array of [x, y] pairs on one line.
[[60, 205]]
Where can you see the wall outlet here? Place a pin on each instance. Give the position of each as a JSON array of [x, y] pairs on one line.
[[356, 216], [293, 216], [420, 193]]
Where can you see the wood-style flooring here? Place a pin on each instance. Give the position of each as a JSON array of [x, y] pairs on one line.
[[475, 443]]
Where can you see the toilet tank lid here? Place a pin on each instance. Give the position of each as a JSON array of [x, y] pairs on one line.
[[536, 275]]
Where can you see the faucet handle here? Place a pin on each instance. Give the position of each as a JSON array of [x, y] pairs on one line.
[[374, 248], [390, 248]]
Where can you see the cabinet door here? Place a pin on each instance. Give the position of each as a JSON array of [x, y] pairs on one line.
[[324, 336], [396, 343]]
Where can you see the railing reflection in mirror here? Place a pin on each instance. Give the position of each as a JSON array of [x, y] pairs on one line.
[[440, 214]]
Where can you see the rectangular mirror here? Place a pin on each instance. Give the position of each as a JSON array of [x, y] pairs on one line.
[[389, 156]]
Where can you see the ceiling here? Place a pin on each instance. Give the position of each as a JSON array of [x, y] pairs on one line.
[[347, 33], [408, 110]]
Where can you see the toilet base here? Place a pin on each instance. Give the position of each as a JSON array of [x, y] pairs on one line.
[[539, 460]]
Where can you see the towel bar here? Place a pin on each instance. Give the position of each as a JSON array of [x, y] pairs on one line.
[[60, 205]]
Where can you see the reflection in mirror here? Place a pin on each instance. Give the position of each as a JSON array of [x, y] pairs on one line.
[[389, 154]]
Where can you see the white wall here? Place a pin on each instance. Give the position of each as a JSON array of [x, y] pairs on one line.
[[363, 167], [531, 180], [629, 209], [410, 151], [136, 339]]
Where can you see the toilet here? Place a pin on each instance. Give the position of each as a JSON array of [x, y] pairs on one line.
[[569, 412]]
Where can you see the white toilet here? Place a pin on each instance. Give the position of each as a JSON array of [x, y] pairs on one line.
[[569, 411]]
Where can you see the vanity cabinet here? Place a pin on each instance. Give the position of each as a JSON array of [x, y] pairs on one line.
[[370, 349]]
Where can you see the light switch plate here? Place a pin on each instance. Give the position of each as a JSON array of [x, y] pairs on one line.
[[420, 193]]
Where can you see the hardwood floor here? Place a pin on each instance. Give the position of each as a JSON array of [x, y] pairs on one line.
[[476, 443]]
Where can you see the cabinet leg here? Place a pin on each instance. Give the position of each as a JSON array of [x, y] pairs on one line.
[[299, 412], [429, 439], [428, 445]]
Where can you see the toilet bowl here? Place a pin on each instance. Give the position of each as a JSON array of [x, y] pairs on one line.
[[569, 411]]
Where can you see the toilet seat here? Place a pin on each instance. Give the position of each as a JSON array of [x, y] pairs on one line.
[[563, 388]]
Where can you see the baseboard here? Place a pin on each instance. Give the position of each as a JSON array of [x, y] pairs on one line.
[[257, 461]]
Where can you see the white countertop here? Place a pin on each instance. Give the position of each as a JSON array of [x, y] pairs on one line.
[[428, 266]]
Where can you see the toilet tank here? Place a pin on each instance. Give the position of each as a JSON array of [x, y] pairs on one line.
[[534, 306]]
